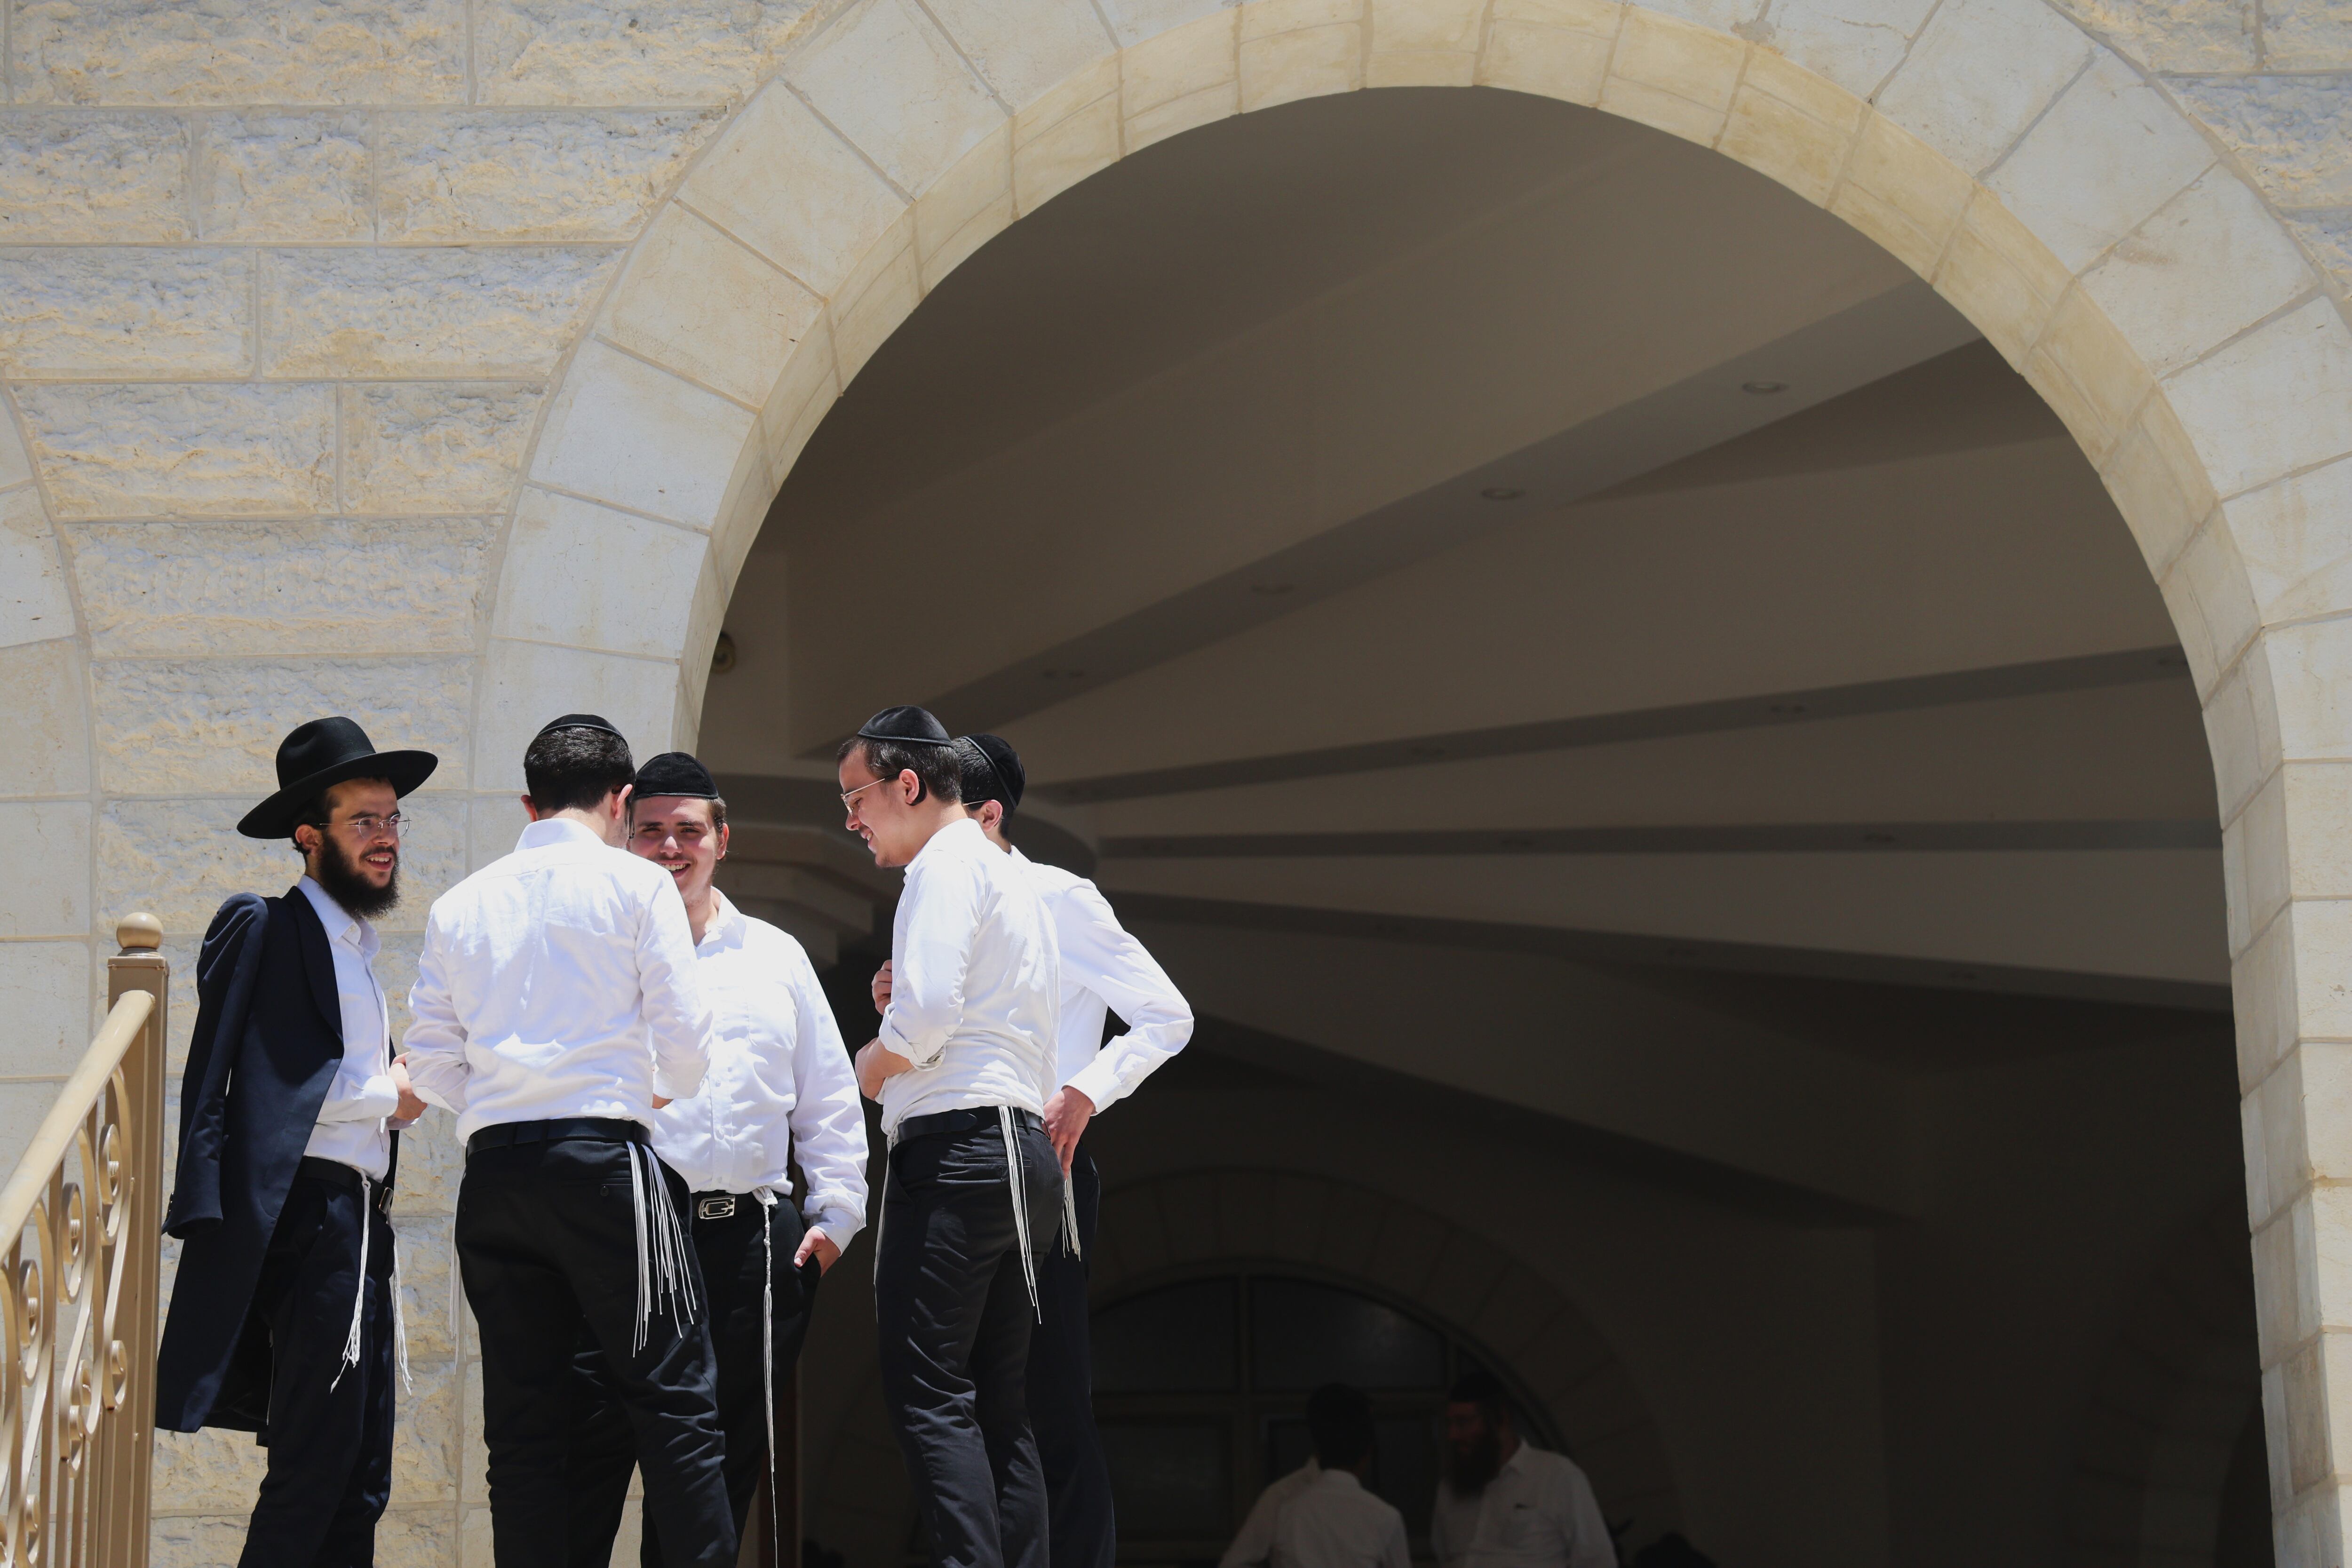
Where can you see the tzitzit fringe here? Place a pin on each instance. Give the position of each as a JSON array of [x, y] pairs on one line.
[[662, 1269], [1017, 1180], [358, 1298], [768, 1330]]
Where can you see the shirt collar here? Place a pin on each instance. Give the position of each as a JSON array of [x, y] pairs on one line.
[[957, 838], [1513, 1463], [342, 924], [550, 830], [725, 919]]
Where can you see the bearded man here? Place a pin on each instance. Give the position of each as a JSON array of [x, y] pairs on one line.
[[284, 1318], [1505, 1503]]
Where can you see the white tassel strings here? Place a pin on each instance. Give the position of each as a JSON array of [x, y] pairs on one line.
[[359, 1296], [768, 1331], [663, 1273], [1018, 1181]]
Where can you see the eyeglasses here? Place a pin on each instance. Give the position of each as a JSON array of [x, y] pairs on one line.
[[849, 797], [370, 826]]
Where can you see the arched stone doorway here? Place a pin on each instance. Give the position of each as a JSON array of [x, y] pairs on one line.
[[2015, 215], [1187, 1225], [1999, 150]]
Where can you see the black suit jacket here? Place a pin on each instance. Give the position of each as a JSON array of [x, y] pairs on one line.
[[268, 1036]]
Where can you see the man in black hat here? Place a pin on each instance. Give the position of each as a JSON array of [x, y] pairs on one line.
[[556, 1008], [779, 1092], [284, 1321], [961, 1067], [1104, 970]]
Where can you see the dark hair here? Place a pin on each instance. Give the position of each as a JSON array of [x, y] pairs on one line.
[[1478, 1387], [1340, 1424], [573, 769], [718, 808], [936, 768], [316, 813]]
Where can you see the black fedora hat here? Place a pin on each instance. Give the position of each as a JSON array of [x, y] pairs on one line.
[[322, 753]]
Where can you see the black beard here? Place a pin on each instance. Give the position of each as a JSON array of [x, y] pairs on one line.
[[339, 874], [1470, 1465]]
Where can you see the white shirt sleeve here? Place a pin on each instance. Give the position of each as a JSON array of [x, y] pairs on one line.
[[436, 1042], [355, 1096], [828, 1121], [1098, 954], [1589, 1545], [675, 1012], [1447, 1550], [1254, 1547], [927, 976], [1394, 1552]]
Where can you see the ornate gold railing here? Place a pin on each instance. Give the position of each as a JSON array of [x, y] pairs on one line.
[[83, 1215]]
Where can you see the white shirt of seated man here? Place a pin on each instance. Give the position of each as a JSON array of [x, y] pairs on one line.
[[1506, 1504], [1333, 1522]]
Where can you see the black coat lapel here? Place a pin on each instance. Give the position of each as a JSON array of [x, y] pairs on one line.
[[318, 958]]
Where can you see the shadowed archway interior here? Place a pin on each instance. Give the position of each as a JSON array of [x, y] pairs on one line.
[[1623, 714]]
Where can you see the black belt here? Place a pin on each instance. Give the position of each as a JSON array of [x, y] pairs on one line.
[[725, 1206], [966, 1121], [335, 1174], [600, 1129]]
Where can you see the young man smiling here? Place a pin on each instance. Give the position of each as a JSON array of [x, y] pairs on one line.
[[283, 1318], [961, 1065], [779, 1088]]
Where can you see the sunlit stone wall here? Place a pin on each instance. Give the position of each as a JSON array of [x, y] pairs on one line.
[[289, 287]]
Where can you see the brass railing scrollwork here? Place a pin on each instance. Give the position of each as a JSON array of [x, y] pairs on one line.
[[83, 1218]]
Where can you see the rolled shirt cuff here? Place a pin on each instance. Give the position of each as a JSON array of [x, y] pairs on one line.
[[671, 1084], [895, 1039], [1099, 1082], [840, 1227]]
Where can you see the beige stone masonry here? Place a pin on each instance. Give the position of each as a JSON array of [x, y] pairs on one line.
[[475, 338]]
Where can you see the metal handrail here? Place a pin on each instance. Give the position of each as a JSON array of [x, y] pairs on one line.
[[82, 1217]]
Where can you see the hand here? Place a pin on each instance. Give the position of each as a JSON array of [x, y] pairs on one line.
[[820, 1245], [1066, 1115], [411, 1105], [660, 1102], [882, 987], [878, 1064]]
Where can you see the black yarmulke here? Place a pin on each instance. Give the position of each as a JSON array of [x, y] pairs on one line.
[[581, 721], [675, 773], [992, 771], [909, 726]]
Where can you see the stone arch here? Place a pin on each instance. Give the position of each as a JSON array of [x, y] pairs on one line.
[[1170, 1226], [2049, 187]]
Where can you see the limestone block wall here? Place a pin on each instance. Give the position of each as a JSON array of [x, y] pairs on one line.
[[433, 361]]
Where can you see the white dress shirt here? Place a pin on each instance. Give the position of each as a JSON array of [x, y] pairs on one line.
[[1334, 1522], [1255, 1546], [973, 983], [1105, 970], [557, 981], [780, 1081], [1537, 1512], [351, 1126]]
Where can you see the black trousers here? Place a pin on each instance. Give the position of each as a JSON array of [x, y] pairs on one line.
[[1061, 1391], [329, 1430], [951, 1303], [547, 1243], [735, 1269]]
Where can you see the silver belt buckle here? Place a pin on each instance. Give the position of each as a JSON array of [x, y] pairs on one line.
[[719, 1208]]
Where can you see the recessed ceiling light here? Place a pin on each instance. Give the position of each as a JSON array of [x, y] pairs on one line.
[[1763, 388], [1502, 492], [1272, 590], [1786, 708]]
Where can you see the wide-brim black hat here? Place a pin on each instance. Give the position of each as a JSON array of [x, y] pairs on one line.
[[320, 755]]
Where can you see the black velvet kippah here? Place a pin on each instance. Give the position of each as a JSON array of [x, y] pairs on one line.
[[580, 722], [675, 773], [992, 771], [907, 726]]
